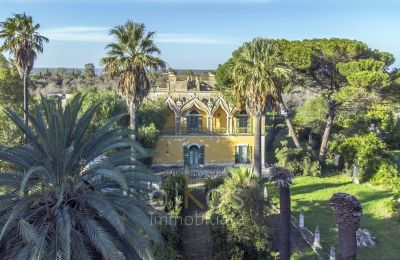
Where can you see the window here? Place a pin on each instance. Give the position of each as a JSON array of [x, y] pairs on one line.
[[243, 122], [193, 155], [193, 122], [243, 154]]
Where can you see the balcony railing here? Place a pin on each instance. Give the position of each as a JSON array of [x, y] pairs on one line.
[[203, 131], [243, 130]]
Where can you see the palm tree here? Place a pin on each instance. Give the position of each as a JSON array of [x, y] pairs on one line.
[[348, 212], [23, 41], [127, 61], [283, 178], [258, 71], [73, 195]]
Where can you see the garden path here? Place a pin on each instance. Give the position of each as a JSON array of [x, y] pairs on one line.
[[196, 238]]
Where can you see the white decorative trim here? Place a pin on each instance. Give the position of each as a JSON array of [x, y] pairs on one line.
[[196, 103], [220, 102], [192, 144]]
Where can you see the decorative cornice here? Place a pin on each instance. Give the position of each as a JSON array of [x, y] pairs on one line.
[[210, 107]]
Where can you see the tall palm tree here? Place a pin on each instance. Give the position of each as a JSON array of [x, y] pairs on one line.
[[73, 195], [23, 41], [258, 71], [127, 61], [348, 212], [283, 178]]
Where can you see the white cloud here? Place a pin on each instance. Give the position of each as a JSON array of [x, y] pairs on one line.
[[101, 34], [78, 34]]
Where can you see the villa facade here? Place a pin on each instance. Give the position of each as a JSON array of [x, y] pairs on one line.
[[202, 128]]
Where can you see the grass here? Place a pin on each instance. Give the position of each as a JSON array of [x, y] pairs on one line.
[[311, 195]]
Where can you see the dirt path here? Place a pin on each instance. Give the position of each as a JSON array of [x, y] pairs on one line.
[[196, 239]]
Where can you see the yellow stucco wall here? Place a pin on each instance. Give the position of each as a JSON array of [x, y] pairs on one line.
[[170, 122], [218, 149], [219, 119]]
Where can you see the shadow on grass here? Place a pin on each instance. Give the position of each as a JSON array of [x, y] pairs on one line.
[[295, 189], [365, 196]]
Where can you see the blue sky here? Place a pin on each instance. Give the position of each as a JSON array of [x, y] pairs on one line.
[[200, 34]]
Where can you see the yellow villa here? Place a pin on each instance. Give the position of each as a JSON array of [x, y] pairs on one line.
[[202, 128]]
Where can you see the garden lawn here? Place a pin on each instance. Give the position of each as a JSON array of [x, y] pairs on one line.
[[311, 195]]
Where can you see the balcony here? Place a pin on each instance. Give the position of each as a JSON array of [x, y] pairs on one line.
[[205, 131], [242, 130]]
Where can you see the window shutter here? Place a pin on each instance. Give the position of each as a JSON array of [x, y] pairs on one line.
[[237, 154], [250, 124], [186, 155], [249, 154], [201, 155]]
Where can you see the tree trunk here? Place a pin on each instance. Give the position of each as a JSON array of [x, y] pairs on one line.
[[284, 229], [132, 117], [347, 244], [289, 124], [292, 133], [26, 102], [270, 139], [257, 147], [327, 132]]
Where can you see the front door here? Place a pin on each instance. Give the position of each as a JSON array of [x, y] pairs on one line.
[[194, 156]]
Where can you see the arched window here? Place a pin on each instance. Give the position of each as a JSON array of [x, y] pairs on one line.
[[243, 122], [193, 120]]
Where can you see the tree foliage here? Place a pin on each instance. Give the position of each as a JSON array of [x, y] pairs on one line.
[[367, 151], [153, 112], [127, 61], [73, 195], [22, 39], [240, 230], [108, 102], [346, 74], [10, 97], [89, 71]]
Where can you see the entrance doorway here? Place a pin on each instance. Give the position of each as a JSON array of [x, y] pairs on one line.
[[194, 155]]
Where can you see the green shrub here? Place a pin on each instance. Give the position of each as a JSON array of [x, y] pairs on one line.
[[393, 206], [213, 183], [298, 161], [239, 229], [173, 186], [368, 152], [166, 252], [387, 175], [148, 135], [242, 174], [152, 117], [152, 111]]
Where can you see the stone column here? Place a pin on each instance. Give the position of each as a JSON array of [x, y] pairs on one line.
[[317, 238], [332, 253], [228, 124], [301, 220], [355, 174], [178, 124], [210, 123]]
